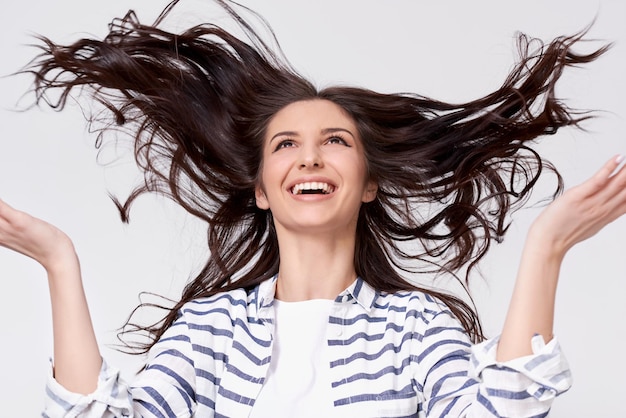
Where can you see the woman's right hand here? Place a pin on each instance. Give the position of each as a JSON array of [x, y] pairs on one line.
[[34, 238], [76, 366]]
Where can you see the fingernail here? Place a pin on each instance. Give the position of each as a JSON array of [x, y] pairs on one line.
[[619, 158]]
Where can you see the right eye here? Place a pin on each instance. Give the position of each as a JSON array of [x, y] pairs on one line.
[[285, 143]]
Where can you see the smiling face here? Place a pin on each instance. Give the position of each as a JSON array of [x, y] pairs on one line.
[[314, 173]]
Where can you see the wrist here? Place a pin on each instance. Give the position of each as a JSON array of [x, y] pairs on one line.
[[62, 262], [544, 245]]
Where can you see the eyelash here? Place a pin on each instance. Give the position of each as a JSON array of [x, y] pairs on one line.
[[340, 137], [282, 144], [289, 142]]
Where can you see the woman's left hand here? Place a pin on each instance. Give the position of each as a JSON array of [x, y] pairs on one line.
[[578, 214], [584, 210]]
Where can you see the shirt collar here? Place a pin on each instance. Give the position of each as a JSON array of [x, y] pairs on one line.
[[361, 292], [265, 293], [358, 292]]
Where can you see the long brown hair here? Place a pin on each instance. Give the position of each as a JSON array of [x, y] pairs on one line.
[[197, 104]]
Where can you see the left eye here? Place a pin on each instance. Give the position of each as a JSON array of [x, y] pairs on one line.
[[337, 140]]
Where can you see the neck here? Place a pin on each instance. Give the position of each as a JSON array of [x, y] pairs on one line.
[[314, 266]]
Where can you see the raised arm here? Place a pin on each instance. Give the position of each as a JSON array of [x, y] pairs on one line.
[[77, 358], [575, 216]]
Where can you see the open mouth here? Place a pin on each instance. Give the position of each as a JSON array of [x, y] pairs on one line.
[[313, 187]]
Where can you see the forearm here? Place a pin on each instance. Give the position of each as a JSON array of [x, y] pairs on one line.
[[77, 359], [574, 217], [531, 310]]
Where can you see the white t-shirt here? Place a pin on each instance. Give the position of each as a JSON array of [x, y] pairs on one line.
[[298, 380]]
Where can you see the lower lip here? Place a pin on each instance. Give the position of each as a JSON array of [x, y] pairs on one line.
[[311, 197]]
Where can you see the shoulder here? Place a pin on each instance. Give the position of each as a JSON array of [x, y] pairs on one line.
[[235, 297], [431, 324], [417, 307], [223, 306], [411, 299]]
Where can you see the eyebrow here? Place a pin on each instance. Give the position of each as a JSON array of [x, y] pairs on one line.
[[325, 131]]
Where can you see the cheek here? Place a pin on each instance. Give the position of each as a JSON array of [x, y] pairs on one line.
[[275, 169], [268, 180], [360, 170], [370, 188]]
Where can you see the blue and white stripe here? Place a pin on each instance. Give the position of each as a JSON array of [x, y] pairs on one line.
[[392, 355]]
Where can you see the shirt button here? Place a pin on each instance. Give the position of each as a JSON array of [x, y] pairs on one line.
[[339, 332]]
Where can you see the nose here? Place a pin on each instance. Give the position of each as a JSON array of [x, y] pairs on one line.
[[310, 157]]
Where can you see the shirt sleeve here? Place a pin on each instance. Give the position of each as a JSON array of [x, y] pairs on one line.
[[535, 379], [463, 380], [165, 387]]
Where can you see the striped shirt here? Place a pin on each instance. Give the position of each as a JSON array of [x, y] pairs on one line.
[[397, 354]]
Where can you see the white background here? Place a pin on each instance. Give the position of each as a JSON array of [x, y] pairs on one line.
[[451, 50]]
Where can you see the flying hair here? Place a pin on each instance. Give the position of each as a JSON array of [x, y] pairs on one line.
[[197, 104]]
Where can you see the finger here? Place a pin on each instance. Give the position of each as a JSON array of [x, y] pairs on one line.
[[612, 198], [617, 179], [618, 191], [611, 168], [609, 171], [4, 206], [619, 160], [5, 210]]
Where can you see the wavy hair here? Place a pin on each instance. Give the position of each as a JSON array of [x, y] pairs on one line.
[[197, 104]]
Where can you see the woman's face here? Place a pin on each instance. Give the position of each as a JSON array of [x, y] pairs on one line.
[[314, 172]]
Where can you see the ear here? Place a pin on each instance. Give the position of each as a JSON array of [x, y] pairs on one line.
[[369, 193], [261, 199]]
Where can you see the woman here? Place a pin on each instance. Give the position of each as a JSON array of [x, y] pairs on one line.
[[304, 193]]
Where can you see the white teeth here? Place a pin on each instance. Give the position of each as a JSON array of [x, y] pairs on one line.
[[301, 188]]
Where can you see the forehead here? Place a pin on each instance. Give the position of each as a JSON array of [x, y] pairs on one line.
[[307, 115]]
